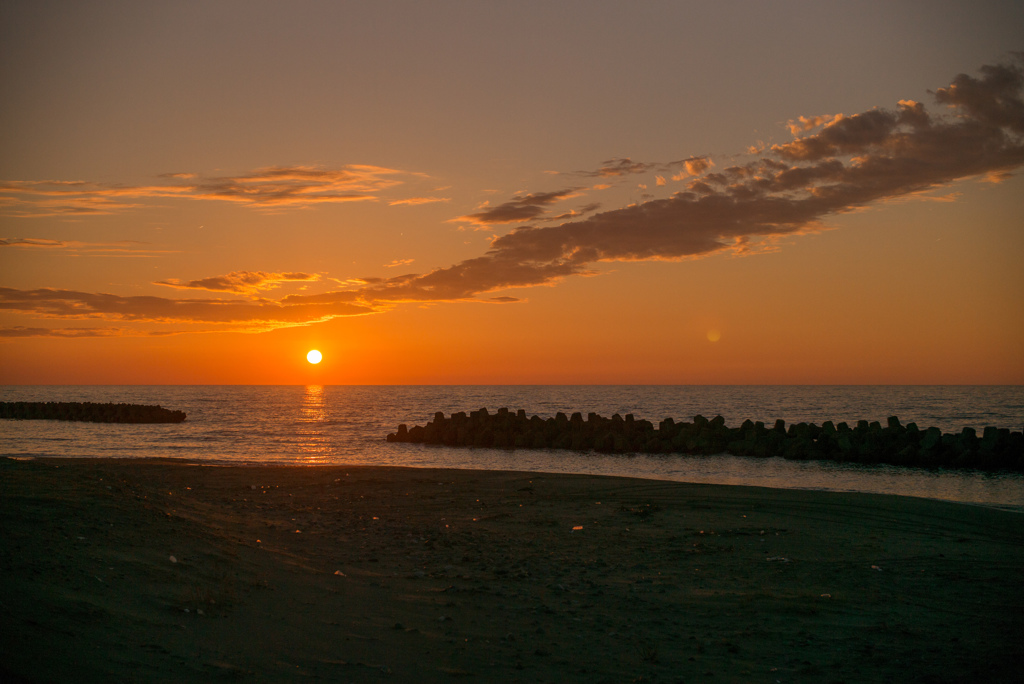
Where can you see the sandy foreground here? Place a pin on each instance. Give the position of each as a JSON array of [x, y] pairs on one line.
[[171, 571]]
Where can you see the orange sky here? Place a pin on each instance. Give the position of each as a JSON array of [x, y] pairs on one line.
[[474, 193]]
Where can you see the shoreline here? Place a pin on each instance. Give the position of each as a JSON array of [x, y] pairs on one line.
[[377, 573], [925, 483]]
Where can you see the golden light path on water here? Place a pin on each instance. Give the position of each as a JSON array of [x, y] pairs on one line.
[[314, 443]]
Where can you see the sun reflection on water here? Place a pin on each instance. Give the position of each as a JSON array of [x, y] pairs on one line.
[[314, 442]]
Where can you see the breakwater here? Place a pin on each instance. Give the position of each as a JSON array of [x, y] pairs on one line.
[[88, 412], [866, 442]]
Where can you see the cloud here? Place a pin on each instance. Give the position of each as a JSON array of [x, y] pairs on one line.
[[846, 135], [993, 99], [416, 201], [465, 280], [694, 166], [804, 123], [240, 282], [399, 262], [617, 167], [518, 209], [268, 188], [622, 167], [299, 185]]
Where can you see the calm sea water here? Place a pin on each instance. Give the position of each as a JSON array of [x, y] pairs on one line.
[[348, 424]]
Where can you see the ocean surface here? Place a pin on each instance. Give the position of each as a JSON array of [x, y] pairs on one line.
[[303, 425]]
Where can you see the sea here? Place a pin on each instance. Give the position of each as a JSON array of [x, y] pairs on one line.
[[348, 425]]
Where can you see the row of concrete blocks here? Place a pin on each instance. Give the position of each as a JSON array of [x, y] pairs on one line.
[[88, 412], [866, 442]]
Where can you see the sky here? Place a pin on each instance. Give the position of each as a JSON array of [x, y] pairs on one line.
[[595, 192]]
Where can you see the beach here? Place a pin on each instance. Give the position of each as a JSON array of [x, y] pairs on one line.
[[170, 570]]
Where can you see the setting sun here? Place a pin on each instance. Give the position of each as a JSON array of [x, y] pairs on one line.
[[314, 356]]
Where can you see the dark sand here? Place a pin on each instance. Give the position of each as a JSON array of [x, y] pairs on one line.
[[364, 574]]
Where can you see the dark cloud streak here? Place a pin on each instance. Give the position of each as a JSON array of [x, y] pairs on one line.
[[53, 303], [849, 163], [518, 209]]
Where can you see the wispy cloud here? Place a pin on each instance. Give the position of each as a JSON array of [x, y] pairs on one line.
[[21, 331], [613, 168], [240, 282], [76, 198], [835, 164], [299, 185], [268, 188], [617, 167], [44, 243], [236, 313], [79, 248], [399, 262], [416, 201]]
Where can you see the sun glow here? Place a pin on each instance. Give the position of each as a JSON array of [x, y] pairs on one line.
[[314, 356]]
